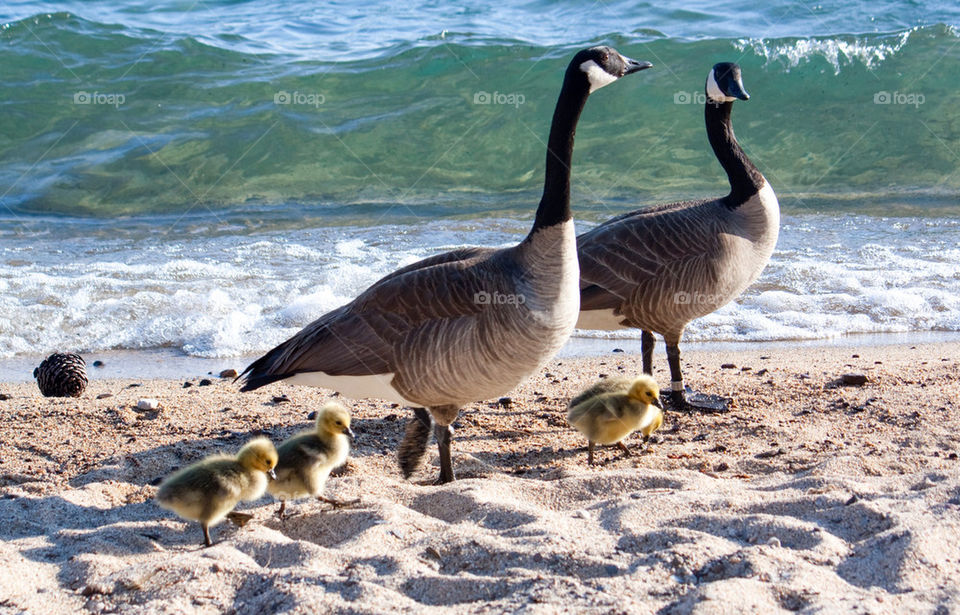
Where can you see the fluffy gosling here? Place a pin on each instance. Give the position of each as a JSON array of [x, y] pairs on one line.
[[612, 409], [307, 458], [208, 490]]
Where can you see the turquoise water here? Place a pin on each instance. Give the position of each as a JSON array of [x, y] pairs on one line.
[[209, 177]]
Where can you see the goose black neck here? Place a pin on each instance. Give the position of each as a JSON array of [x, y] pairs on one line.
[[555, 204], [745, 179]]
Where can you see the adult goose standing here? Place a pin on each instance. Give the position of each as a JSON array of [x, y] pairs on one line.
[[465, 325], [659, 268]]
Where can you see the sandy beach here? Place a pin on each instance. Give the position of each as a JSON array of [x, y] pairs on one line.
[[809, 495]]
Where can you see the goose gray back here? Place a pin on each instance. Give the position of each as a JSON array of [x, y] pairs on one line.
[[659, 268], [465, 325]]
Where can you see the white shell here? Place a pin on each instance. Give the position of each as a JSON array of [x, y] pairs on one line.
[[148, 404]]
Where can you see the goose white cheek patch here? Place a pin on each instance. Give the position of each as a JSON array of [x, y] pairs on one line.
[[714, 91], [597, 76]]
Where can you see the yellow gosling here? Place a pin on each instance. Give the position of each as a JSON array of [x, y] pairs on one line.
[[614, 408], [307, 458], [209, 489]]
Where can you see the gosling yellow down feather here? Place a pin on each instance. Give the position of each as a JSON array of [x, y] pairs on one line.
[[614, 408], [307, 458], [208, 490]]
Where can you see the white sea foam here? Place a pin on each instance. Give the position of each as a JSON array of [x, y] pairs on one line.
[[219, 296], [837, 51]]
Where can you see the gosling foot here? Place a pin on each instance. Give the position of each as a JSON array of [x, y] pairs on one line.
[[339, 503]]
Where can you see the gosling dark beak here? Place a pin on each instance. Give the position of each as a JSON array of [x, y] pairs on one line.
[[633, 66], [272, 474], [658, 403], [350, 433]]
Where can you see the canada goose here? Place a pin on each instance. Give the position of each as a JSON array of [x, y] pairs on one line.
[[465, 325], [659, 268], [208, 490], [307, 458], [614, 408]]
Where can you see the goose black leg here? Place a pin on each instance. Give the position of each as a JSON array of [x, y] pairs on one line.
[[683, 398], [443, 434], [415, 440], [646, 349]]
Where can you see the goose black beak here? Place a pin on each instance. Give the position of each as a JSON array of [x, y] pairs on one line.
[[658, 403], [634, 66], [350, 433], [272, 474], [737, 91]]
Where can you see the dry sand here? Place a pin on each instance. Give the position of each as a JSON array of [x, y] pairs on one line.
[[808, 496]]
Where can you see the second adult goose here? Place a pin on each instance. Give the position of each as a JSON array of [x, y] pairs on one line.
[[657, 269], [465, 325]]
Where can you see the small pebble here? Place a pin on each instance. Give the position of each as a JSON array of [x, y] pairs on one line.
[[505, 402], [853, 379], [762, 371], [104, 395], [774, 541], [4, 397], [952, 456], [187, 384], [855, 356], [723, 466], [148, 403], [229, 373], [618, 349], [98, 363], [312, 416], [746, 369], [281, 399], [728, 366], [205, 382]]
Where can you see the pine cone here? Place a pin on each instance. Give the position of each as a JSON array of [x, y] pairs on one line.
[[62, 375]]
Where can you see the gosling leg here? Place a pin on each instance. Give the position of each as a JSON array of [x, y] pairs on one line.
[[623, 447], [590, 446], [206, 535], [281, 512]]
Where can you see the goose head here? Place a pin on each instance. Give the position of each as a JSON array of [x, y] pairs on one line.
[[333, 419], [260, 455], [645, 390], [600, 66], [725, 84]]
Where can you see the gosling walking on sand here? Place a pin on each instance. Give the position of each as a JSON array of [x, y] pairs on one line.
[[208, 490], [307, 458], [614, 408]]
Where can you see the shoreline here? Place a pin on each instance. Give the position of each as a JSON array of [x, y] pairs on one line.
[[170, 363], [807, 495]]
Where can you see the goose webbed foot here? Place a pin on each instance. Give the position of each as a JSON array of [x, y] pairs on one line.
[[415, 440], [689, 400]]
